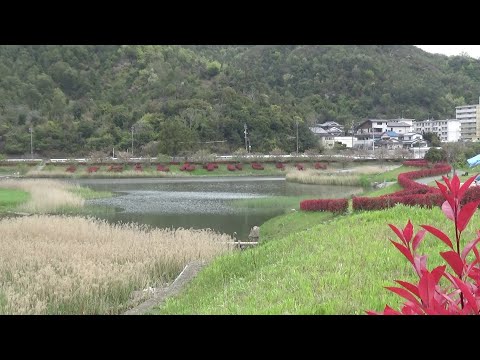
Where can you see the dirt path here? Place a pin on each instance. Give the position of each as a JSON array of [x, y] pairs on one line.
[[161, 294]]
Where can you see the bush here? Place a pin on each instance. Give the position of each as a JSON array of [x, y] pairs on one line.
[[162, 168], [93, 169], [332, 205], [257, 166], [231, 167], [320, 166], [460, 294]]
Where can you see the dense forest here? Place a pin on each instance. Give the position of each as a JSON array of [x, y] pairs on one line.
[[79, 99]]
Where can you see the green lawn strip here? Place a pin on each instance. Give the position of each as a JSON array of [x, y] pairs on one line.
[[386, 190], [275, 202], [392, 175], [87, 193], [338, 267], [11, 198], [8, 170]]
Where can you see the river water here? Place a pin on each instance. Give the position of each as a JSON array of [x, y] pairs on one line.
[[201, 202]]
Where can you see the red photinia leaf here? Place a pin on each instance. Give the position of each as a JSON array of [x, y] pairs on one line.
[[420, 264], [418, 238], [412, 309], [438, 272], [471, 267], [476, 252], [466, 213], [371, 312], [442, 188], [467, 293], [403, 293], [426, 288], [474, 274], [439, 234], [465, 187], [398, 232], [404, 250], [408, 231], [409, 286], [448, 211], [454, 260], [469, 247], [389, 311], [455, 185], [447, 182]]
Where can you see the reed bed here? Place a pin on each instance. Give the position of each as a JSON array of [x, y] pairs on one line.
[[45, 195], [349, 177], [72, 265], [318, 177]]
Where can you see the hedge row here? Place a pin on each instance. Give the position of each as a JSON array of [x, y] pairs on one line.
[[414, 193], [333, 205]]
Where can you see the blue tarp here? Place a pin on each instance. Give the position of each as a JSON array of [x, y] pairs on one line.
[[474, 161]]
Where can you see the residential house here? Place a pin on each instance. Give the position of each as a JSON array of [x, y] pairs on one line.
[[325, 139], [400, 127]]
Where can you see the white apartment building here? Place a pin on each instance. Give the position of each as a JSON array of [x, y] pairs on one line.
[[448, 130], [469, 117]]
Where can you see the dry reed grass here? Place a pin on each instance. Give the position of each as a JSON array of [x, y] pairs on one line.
[[45, 195], [73, 265], [317, 177], [347, 177]]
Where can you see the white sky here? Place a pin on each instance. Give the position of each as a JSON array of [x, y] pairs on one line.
[[472, 50]]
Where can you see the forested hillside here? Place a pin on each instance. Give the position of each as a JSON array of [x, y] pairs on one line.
[[86, 98]]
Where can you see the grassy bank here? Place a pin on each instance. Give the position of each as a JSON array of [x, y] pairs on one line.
[[60, 171], [11, 198], [274, 202], [338, 267], [356, 176], [41, 196], [74, 265]]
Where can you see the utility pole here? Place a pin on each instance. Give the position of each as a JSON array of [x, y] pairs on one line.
[[373, 140], [31, 142], [245, 132], [297, 135], [133, 128]]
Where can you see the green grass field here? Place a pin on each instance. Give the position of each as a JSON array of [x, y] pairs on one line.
[[11, 198], [336, 267], [392, 175]]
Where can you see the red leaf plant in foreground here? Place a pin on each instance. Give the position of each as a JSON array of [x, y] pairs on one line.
[[461, 294]]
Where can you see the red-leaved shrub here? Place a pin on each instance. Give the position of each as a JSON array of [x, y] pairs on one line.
[[231, 167], [418, 163], [299, 166], [414, 193], [461, 295], [162, 168], [92, 169], [257, 166], [280, 165], [71, 169], [115, 168], [138, 167], [332, 205], [187, 167], [239, 166], [320, 166]]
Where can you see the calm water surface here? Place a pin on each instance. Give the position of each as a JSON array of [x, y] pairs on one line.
[[201, 202]]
